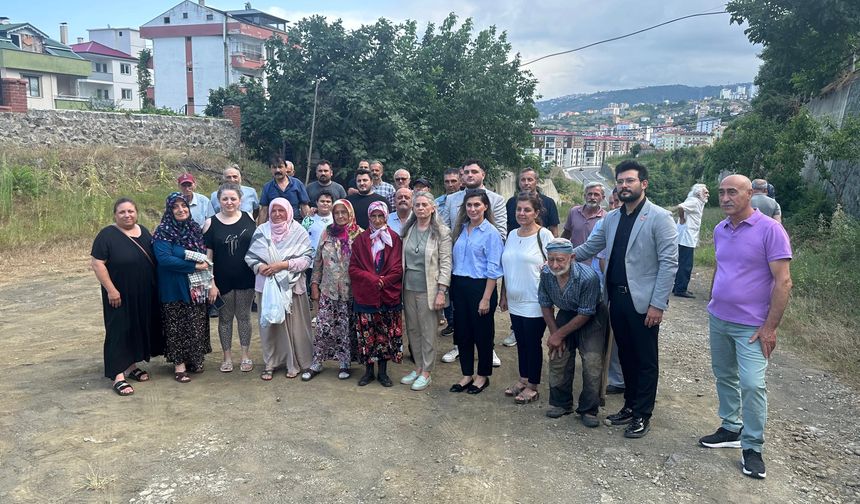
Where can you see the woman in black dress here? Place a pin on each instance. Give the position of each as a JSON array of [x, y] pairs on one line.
[[124, 264]]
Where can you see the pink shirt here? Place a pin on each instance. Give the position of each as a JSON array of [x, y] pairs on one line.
[[579, 225], [744, 282]]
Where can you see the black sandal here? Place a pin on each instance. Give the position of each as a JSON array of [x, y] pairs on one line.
[[121, 386], [139, 375], [181, 376]]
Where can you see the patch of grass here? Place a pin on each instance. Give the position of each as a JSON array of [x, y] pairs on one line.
[[67, 194], [97, 480], [704, 256]]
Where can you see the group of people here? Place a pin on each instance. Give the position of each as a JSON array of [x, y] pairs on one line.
[[377, 257]]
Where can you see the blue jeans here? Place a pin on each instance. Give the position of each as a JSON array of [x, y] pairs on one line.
[[739, 367], [685, 268]]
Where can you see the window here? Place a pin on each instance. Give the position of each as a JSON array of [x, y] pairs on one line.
[[126, 94], [34, 85], [101, 67], [125, 68], [16, 39], [184, 15], [210, 17], [120, 34], [102, 94], [166, 19]]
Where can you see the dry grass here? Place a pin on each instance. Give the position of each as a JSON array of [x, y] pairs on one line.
[[97, 480]]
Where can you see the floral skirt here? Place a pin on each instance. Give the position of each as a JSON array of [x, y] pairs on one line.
[[334, 339], [380, 336], [186, 333]]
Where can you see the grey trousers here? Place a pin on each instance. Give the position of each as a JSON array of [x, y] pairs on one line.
[[422, 328], [590, 340]]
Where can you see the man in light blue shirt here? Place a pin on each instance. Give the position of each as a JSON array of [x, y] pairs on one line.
[[403, 209], [250, 201], [199, 205]]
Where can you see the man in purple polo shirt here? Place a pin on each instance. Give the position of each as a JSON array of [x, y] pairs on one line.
[[750, 291], [582, 218]]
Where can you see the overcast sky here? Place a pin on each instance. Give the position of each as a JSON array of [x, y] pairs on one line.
[[698, 51]]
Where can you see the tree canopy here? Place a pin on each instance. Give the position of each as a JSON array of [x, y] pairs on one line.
[[419, 101]]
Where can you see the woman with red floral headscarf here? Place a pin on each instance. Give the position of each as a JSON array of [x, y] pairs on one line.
[[376, 274]]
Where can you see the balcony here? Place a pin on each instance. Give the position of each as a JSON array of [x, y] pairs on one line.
[[246, 61], [99, 78]]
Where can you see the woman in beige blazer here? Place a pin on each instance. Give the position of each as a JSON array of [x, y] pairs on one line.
[[426, 276]]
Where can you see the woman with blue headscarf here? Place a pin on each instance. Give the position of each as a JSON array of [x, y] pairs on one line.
[[185, 284]]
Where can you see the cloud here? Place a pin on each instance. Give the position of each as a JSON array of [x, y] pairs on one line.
[[697, 51]]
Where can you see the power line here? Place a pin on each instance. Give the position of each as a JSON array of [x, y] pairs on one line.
[[700, 14]]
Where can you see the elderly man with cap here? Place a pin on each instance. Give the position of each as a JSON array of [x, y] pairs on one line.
[[250, 201], [421, 184], [198, 204], [574, 288]]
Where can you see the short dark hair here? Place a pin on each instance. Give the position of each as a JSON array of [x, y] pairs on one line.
[[324, 162], [535, 201], [628, 165], [452, 171], [325, 192], [362, 171], [276, 160], [120, 201], [475, 162]]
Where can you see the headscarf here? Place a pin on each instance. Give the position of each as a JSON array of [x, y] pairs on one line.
[[379, 237], [280, 230], [187, 234], [344, 234], [559, 246]]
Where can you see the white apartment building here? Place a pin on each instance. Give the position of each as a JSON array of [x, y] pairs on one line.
[[197, 48], [113, 78]]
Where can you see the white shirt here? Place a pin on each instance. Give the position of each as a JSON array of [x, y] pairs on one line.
[[522, 261], [688, 233], [318, 223]]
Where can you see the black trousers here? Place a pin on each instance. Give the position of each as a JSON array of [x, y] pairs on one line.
[[637, 351], [685, 268], [473, 330], [529, 333]]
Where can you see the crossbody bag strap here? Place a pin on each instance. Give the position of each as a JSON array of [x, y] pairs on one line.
[[148, 258]]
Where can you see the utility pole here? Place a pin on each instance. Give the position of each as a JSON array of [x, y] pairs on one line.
[[313, 124]]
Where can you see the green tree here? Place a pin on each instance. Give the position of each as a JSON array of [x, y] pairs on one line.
[[424, 103], [144, 78]]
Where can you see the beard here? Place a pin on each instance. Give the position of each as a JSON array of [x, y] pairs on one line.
[[627, 197], [364, 192], [592, 204], [323, 180], [560, 272]]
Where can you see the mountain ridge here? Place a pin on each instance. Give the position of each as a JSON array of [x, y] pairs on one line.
[[649, 94]]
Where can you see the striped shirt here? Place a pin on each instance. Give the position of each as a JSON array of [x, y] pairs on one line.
[[581, 293]]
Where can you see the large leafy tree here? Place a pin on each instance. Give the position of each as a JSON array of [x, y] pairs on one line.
[[421, 102]]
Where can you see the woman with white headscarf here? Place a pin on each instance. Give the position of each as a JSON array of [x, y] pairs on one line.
[[376, 274], [281, 248], [689, 223]]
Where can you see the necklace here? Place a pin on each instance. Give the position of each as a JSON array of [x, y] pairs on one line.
[[418, 235]]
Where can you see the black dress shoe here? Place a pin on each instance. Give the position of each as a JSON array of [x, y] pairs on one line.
[[384, 380], [477, 390], [366, 378], [612, 389], [457, 388], [685, 294]]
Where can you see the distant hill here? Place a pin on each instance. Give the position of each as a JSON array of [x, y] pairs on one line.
[[651, 94]]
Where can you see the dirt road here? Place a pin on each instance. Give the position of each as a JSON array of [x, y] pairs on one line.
[[66, 437]]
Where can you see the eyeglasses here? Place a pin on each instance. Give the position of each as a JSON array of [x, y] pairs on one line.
[[628, 181], [401, 179]]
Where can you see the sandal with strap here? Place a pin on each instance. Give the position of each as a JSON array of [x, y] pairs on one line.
[[522, 398], [181, 376], [226, 366], [121, 387], [138, 375], [515, 389], [246, 365], [266, 375]]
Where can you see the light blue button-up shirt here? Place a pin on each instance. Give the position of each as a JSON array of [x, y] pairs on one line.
[[201, 209], [478, 254]]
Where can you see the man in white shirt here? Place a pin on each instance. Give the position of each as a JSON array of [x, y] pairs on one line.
[[689, 224]]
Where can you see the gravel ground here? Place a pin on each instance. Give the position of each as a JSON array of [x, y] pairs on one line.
[[233, 438]]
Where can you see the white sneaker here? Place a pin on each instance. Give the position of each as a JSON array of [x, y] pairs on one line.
[[496, 360], [452, 355], [511, 340]]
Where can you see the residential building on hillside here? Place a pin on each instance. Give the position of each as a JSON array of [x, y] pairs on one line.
[[566, 148], [50, 68], [671, 140], [197, 48], [707, 124], [113, 79]]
